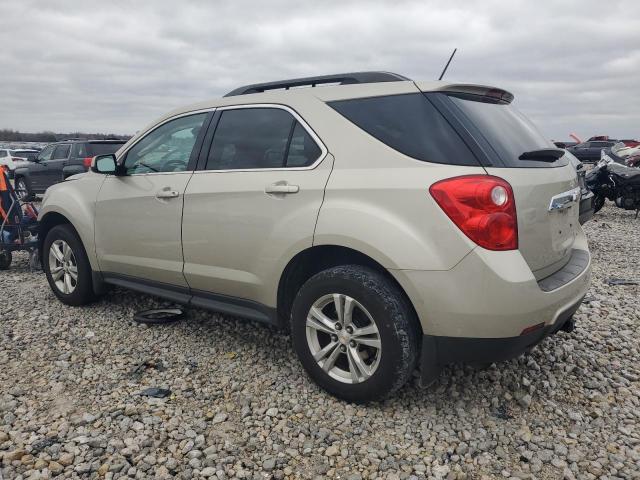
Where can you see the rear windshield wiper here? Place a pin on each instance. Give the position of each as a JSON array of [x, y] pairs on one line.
[[543, 155]]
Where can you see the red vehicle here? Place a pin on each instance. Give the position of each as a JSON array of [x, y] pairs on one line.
[[631, 143]]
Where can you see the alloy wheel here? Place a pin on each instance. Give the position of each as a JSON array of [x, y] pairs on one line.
[[63, 267], [343, 338]]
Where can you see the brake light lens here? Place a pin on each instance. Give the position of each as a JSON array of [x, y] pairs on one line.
[[482, 206], [87, 161]]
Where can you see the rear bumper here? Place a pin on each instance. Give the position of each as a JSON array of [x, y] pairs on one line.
[[493, 294], [488, 350]]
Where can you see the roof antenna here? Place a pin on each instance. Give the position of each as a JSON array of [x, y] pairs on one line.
[[447, 65]]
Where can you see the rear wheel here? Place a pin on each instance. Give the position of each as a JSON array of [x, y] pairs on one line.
[[355, 333], [67, 267], [5, 259], [598, 203]]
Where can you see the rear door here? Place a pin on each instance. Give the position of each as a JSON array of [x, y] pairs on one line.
[[546, 192], [253, 201]]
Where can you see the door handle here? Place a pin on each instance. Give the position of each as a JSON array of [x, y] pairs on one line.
[[282, 188], [166, 192]]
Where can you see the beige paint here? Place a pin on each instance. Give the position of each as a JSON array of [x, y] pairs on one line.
[[137, 233], [237, 239]]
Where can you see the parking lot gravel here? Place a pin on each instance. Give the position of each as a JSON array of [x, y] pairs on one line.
[[242, 407]]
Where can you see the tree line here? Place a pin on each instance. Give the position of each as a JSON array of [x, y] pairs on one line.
[[8, 135]]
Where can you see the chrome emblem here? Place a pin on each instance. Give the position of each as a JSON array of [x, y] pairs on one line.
[[564, 200]]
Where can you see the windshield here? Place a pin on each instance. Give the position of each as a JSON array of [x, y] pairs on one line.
[[507, 131]]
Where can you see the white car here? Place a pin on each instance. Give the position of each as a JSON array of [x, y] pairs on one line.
[[11, 158]]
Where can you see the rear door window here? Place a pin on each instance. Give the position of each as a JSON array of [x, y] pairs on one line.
[[252, 138], [507, 131], [411, 125]]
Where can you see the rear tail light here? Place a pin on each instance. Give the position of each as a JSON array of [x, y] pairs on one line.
[[86, 161], [482, 206]]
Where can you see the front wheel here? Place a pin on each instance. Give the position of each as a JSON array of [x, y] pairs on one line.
[[67, 267], [355, 333], [598, 203]]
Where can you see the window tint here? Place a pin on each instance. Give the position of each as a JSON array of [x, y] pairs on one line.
[[303, 150], [79, 150], [250, 138], [61, 152], [94, 149], [3, 153], [409, 124], [46, 152], [507, 130], [167, 148]]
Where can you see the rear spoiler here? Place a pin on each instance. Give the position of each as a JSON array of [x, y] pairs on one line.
[[490, 93], [494, 94]]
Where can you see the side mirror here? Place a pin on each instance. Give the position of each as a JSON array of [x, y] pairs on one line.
[[105, 164]]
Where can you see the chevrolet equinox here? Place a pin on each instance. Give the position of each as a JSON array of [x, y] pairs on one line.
[[391, 226]]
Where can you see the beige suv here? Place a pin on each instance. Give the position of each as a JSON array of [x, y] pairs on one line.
[[391, 225]]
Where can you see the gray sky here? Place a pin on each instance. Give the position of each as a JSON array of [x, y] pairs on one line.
[[113, 66]]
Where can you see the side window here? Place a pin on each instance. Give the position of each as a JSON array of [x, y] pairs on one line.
[[61, 152], [250, 138], [303, 150], [3, 153], [45, 154], [167, 148], [79, 150], [410, 124]]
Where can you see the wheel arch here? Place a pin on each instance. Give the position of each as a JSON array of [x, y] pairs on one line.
[[313, 260]]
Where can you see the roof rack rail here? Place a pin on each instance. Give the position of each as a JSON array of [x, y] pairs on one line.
[[339, 78]]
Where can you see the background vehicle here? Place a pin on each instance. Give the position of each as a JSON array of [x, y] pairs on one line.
[[565, 144], [12, 158], [586, 195], [390, 224], [58, 161], [589, 152], [618, 183]]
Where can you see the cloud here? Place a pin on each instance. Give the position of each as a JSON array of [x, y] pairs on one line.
[[114, 66]]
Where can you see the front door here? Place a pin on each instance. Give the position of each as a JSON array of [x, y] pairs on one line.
[[52, 172], [38, 169], [139, 213], [254, 200]]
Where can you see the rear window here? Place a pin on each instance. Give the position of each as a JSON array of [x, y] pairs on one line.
[[507, 131], [94, 149], [411, 125]]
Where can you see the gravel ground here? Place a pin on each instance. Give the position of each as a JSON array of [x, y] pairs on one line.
[[242, 407]]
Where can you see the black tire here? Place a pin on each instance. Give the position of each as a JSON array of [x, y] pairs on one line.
[[598, 203], [5, 259], [83, 293], [23, 189], [392, 314]]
